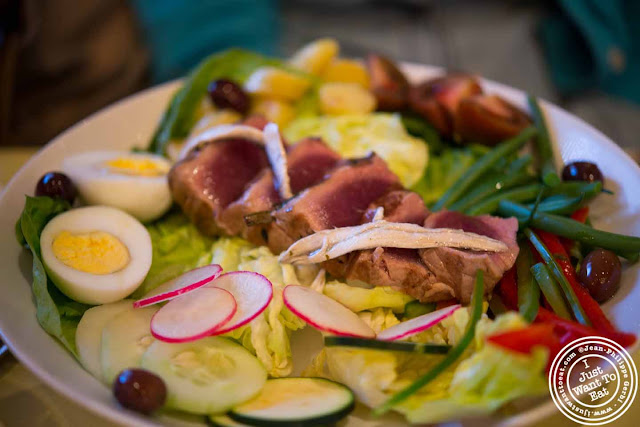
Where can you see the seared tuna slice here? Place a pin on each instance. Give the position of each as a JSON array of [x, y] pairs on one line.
[[213, 176], [457, 268], [308, 162], [338, 201], [399, 206]]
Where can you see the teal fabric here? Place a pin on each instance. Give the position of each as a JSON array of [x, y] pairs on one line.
[[594, 44], [180, 33]]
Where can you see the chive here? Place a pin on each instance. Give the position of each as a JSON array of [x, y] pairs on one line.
[[543, 139], [528, 290], [407, 347], [558, 275], [550, 289], [625, 246], [449, 359], [518, 194], [471, 176]]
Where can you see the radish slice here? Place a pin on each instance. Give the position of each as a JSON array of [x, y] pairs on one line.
[[193, 316], [417, 324], [189, 281], [323, 313], [252, 292]]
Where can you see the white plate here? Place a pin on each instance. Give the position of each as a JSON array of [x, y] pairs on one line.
[[131, 122]]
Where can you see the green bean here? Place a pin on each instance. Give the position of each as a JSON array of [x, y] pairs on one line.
[[450, 358], [528, 290], [496, 305], [550, 290], [518, 194], [625, 246], [479, 168], [588, 190], [515, 175], [558, 275], [559, 205], [543, 139]]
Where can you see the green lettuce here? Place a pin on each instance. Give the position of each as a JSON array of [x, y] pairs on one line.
[[444, 169], [357, 135], [267, 336], [181, 114], [484, 379], [57, 314], [359, 299], [178, 246]]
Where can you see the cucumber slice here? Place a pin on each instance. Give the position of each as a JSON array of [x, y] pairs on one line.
[[124, 339], [296, 402], [207, 376], [89, 333], [409, 347]]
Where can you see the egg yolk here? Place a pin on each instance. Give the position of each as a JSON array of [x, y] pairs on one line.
[[95, 252], [136, 166]]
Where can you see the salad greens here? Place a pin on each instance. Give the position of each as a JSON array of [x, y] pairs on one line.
[[180, 116], [57, 314], [267, 336], [178, 247], [359, 299], [476, 385], [357, 135]]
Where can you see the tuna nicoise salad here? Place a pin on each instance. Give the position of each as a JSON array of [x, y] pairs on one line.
[[443, 267]]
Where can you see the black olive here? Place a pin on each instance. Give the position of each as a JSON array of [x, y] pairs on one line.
[[139, 390], [600, 274], [227, 94], [56, 185], [582, 171]]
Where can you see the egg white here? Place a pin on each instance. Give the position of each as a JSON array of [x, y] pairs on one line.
[[91, 288], [145, 197]]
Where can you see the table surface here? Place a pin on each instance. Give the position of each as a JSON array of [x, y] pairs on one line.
[[26, 401]]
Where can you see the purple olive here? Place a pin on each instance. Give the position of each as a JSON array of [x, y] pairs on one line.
[[600, 273], [139, 390], [56, 185], [582, 171], [227, 94]]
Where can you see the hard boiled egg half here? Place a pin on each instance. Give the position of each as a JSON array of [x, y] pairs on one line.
[[134, 182], [96, 254]]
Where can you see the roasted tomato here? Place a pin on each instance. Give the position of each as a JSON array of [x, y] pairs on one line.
[[488, 119], [438, 100], [388, 83]]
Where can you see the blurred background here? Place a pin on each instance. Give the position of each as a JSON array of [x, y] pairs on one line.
[[61, 60]]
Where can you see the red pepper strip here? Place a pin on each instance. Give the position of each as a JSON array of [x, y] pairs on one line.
[[592, 309], [509, 289], [581, 214], [523, 340], [446, 303]]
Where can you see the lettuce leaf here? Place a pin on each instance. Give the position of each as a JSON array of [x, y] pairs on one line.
[[180, 116], [482, 381], [444, 169], [359, 299], [357, 135], [267, 336], [177, 246], [57, 314]]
